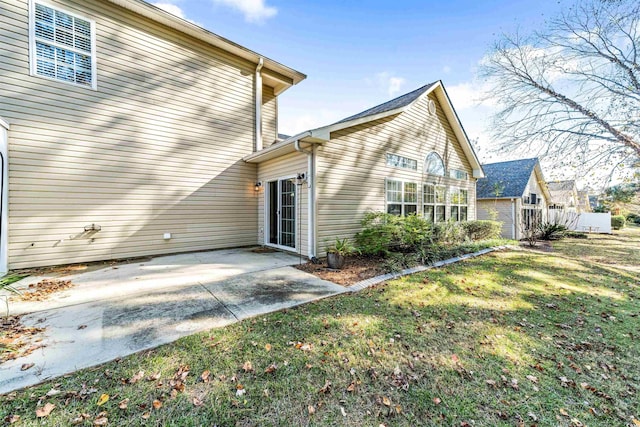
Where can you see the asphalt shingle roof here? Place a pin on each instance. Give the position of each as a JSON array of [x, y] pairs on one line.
[[512, 176], [561, 185], [399, 102]]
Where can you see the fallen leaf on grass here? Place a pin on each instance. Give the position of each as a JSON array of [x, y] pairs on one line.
[[53, 392], [564, 412], [205, 376], [437, 400], [101, 421], [247, 367], [635, 422], [146, 415], [154, 377], [123, 404], [344, 413], [267, 347], [26, 366], [157, 404], [352, 387], [12, 419], [196, 402], [492, 383], [271, 368], [326, 388], [311, 410], [104, 398], [532, 378], [45, 410], [386, 401], [137, 377], [240, 391]]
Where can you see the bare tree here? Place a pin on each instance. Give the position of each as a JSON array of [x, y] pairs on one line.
[[571, 92]]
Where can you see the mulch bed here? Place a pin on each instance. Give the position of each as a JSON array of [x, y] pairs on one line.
[[354, 270]]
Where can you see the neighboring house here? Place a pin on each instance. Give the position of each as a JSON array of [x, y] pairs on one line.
[[564, 195], [514, 193], [584, 205], [126, 131]]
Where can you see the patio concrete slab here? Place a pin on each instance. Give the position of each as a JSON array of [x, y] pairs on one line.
[[124, 319]]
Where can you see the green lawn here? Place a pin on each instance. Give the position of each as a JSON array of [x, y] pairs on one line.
[[509, 339]]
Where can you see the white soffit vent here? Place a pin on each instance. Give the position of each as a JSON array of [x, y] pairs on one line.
[[432, 107]]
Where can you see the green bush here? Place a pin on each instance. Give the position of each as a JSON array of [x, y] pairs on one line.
[[576, 234], [551, 231], [482, 229], [618, 222], [633, 218], [448, 232], [384, 233]]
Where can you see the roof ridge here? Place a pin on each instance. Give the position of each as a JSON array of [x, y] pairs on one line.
[[392, 104]]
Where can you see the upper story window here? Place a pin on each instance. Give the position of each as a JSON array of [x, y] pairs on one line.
[[62, 46], [434, 165], [458, 174], [402, 197], [401, 162]]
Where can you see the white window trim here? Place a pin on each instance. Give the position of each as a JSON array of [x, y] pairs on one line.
[[386, 160], [459, 205], [403, 203], [444, 166], [267, 226], [33, 63], [435, 203]]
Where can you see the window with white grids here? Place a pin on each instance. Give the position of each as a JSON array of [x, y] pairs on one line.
[[62, 46], [433, 202], [402, 197], [459, 204]]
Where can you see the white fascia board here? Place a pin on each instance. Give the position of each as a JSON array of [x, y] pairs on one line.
[[156, 14], [537, 169], [458, 130], [316, 136], [5, 124]]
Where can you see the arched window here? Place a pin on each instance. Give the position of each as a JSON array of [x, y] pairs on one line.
[[434, 165]]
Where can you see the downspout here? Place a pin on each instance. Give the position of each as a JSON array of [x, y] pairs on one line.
[[258, 88], [311, 198], [514, 220], [4, 196]]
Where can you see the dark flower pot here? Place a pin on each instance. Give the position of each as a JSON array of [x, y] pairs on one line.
[[335, 261]]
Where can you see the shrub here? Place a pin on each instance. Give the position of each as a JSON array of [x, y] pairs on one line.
[[482, 229], [576, 234], [618, 222], [633, 218], [448, 232], [384, 233], [551, 231]]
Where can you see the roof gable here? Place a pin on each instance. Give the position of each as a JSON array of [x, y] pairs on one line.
[[511, 177]]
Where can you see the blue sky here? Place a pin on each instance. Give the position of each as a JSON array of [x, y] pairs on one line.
[[357, 54]]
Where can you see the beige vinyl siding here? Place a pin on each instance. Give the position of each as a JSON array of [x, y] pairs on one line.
[[269, 116], [352, 167], [157, 148], [533, 186], [502, 208], [283, 167]]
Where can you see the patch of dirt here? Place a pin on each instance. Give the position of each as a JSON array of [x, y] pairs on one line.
[[40, 291], [17, 340], [541, 245], [62, 270], [354, 270]]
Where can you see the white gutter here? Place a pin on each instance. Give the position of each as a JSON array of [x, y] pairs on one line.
[[513, 216], [258, 84], [311, 197], [4, 196]]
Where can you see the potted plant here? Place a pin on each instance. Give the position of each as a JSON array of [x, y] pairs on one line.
[[337, 252]]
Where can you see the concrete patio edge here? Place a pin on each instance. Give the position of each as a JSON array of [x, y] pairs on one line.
[[363, 284]]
